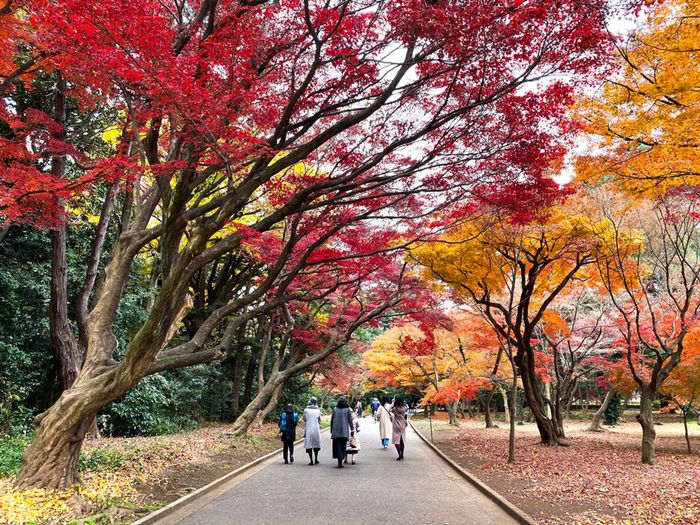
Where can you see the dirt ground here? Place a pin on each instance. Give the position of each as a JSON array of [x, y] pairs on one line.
[[597, 480], [204, 456]]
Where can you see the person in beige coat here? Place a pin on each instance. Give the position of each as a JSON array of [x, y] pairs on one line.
[[399, 418], [385, 424]]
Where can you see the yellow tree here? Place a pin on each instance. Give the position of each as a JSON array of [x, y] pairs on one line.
[[648, 114], [513, 272]]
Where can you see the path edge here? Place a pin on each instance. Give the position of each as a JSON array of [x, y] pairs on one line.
[[170, 508], [515, 512]]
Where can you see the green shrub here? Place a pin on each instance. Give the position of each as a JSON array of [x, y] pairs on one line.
[[613, 411], [101, 459], [11, 449], [167, 403]]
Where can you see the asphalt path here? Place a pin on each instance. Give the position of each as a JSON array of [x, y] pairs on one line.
[[377, 490]]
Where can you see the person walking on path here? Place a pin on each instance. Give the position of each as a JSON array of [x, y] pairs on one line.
[[358, 408], [375, 407], [341, 423], [288, 431], [399, 411], [312, 430], [353, 447], [384, 418]]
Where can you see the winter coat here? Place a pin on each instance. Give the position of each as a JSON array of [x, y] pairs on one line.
[[400, 421], [341, 422], [312, 428], [384, 417]]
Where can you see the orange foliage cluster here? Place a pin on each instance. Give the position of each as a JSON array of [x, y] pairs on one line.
[[445, 363]]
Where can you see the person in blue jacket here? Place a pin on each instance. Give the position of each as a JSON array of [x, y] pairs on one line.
[[288, 432]]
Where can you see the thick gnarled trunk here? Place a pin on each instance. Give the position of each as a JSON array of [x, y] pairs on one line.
[[51, 460]]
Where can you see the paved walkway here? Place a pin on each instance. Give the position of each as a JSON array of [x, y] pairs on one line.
[[377, 490]]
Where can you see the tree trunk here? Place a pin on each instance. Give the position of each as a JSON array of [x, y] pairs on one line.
[[249, 378], [646, 420], [506, 405], [243, 422], [519, 407], [549, 433], [567, 412], [63, 343], [452, 413], [557, 415], [236, 384], [547, 396], [470, 409], [511, 415], [271, 404], [238, 372], [51, 460], [598, 416], [685, 410], [487, 410]]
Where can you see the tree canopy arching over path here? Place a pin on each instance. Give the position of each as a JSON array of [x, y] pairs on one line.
[[268, 139]]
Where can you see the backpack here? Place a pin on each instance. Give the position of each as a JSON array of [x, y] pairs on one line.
[[283, 421]]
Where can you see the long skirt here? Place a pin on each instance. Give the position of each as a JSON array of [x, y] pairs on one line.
[[339, 446]]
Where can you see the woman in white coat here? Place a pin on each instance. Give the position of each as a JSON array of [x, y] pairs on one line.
[[312, 430], [385, 425]]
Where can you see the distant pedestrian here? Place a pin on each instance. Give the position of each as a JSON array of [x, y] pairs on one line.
[[312, 430], [288, 432], [399, 411], [358, 408], [384, 418], [341, 423], [353, 447], [375, 406]]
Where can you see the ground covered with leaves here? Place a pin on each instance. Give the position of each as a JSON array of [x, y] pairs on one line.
[[597, 480], [125, 478]]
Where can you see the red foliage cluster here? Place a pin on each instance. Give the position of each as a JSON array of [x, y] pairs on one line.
[[224, 82]]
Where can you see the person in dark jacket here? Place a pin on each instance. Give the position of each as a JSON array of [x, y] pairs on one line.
[[288, 432], [341, 424]]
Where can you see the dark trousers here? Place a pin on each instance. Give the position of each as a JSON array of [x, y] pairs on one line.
[[288, 449], [339, 446], [313, 454], [399, 448]]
